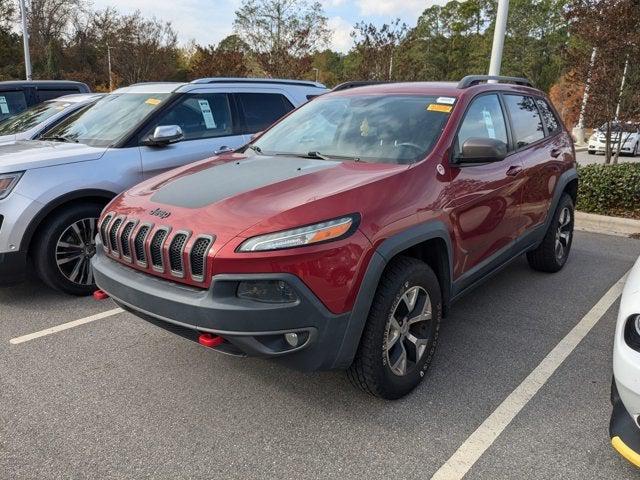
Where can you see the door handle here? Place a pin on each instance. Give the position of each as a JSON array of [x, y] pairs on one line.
[[514, 170], [223, 149], [555, 152]]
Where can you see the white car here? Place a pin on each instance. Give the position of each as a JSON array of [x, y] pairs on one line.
[[35, 121], [624, 428], [628, 133]]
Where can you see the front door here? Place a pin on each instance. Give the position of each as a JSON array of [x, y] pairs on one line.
[[486, 198], [208, 125]]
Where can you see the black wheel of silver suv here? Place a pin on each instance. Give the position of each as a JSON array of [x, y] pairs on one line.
[[64, 247], [401, 332]]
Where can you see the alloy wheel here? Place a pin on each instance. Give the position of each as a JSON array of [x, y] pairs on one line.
[[563, 233], [407, 332], [74, 250]]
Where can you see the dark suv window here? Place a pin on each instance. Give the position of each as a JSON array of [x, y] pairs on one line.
[[484, 119], [550, 120], [525, 120], [205, 115], [12, 103], [44, 95], [262, 109]]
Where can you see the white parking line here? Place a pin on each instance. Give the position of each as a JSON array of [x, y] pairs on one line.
[[479, 441], [65, 326]]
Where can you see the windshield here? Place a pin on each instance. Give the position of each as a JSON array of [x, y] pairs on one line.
[[616, 127], [109, 120], [32, 117], [399, 129]]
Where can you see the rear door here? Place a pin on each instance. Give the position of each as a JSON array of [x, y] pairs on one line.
[[486, 198], [541, 147], [210, 125]]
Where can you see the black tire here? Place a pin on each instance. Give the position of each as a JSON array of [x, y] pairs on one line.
[[45, 256], [546, 257], [372, 369]]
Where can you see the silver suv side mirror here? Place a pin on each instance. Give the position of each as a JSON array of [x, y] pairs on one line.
[[165, 135]]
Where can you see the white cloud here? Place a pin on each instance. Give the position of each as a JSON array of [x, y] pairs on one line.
[[393, 7], [341, 37]]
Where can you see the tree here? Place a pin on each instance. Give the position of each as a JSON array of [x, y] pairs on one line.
[[283, 33], [231, 58], [592, 22], [375, 49]]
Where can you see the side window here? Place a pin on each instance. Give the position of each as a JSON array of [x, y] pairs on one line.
[[44, 95], [262, 109], [525, 120], [549, 118], [12, 103], [205, 115], [484, 119]]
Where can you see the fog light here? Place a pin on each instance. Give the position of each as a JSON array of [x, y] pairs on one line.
[[291, 338], [267, 291], [632, 332]]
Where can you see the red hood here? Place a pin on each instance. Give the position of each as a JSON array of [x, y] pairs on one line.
[[238, 195]]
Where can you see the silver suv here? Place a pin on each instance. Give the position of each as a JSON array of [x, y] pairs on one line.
[[53, 189]]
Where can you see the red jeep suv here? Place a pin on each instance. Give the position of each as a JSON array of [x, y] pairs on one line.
[[338, 238]]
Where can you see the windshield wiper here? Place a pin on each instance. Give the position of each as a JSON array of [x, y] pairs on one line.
[[317, 155], [60, 138], [255, 148]]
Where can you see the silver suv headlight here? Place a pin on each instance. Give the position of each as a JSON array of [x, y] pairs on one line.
[[7, 182], [298, 237]]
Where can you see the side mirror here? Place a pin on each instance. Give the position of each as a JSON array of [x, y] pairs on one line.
[[165, 135], [482, 150]]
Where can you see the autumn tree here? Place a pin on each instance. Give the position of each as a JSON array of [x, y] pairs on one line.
[[375, 49], [592, 23], [282, 33], [232, 57]]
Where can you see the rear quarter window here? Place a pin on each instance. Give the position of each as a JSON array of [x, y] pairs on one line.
[[12, 103], [550, 120]]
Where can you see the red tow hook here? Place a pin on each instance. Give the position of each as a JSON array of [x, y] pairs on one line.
[[210, 340], [100, 295]]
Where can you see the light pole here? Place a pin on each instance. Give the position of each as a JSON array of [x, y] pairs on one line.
[[317, 73], [109, 64], [25, 41], [498, 37], [578, 131]]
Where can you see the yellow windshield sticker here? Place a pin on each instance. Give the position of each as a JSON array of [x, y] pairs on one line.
[[152, 101], [434, 107]]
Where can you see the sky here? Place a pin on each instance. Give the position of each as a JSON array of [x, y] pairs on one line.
[[209, 21]]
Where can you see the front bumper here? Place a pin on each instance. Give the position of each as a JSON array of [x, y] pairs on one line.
[[248, 327], [623, 430]]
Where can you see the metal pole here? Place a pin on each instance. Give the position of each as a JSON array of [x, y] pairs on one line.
[[624, 77], [317, 73], [109, 62], [25, 41], [498, 37]]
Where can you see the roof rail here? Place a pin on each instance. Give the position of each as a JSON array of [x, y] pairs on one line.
[[471, 80], [277, 81], [354, 84]]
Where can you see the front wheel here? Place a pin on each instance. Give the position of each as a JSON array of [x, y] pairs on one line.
[[552, 253], [401, 332], [64, 247]]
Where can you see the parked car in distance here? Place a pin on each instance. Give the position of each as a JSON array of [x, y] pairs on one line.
[[18, 95], [340, 236], [628, 133], [36, 120], [53, 189], [624, 427]]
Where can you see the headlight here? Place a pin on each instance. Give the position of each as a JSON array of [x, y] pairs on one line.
[[317, 233], [7, 182]]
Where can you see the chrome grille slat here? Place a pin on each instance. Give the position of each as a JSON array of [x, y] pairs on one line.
[[155, 248], [125, 237], [176, 248], [103, 230], [139, 241], [197, 257]]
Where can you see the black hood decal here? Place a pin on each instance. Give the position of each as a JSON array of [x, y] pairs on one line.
[[229, 179]]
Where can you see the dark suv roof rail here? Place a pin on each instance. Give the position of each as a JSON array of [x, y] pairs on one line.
[[471, 80], [354, 84], [278, 81]]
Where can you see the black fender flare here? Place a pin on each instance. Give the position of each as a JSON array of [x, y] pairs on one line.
[[433, 229]]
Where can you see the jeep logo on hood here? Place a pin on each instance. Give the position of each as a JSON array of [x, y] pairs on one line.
[[160, 213]]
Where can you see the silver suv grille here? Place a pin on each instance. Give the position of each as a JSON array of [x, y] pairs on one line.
[[125, 239]]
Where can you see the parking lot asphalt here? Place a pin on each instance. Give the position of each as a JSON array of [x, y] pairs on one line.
[[118, 398], [584, 158]]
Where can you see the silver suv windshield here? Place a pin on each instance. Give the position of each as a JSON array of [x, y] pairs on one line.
[[399, 129], [32, 117], [110, 119]]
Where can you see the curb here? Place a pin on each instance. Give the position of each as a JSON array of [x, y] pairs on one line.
[[590, 222], [580, 149]]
